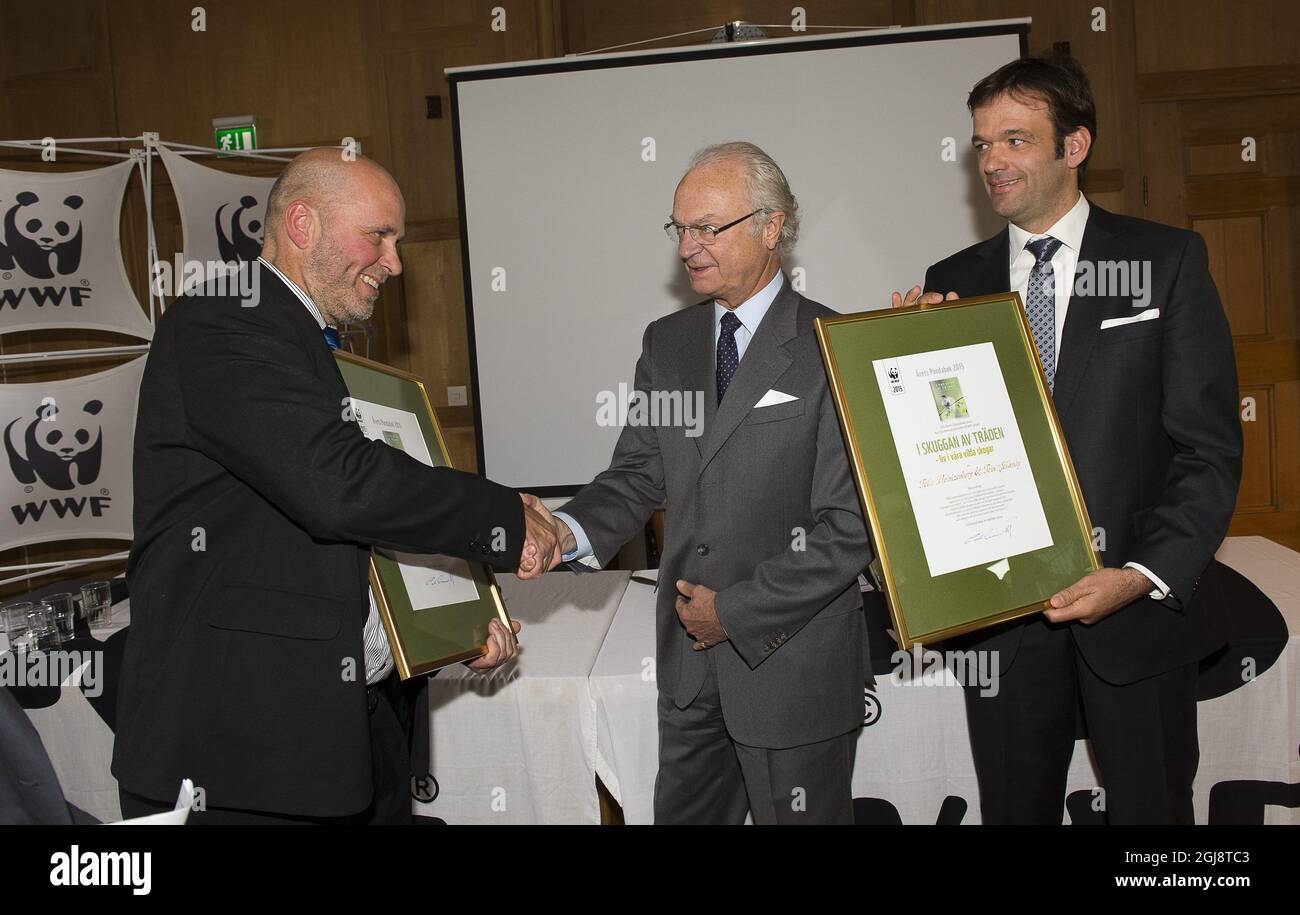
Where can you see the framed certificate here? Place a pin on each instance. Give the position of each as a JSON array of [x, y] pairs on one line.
[[960, 463], [435, 608]]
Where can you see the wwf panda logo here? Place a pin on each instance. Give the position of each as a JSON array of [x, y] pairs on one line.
[[41, 238], [239, 230], [62, 451]]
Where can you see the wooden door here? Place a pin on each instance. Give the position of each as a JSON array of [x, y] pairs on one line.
[[1220, 144]]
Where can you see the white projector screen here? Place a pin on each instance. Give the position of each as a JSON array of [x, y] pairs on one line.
[[567, 170]]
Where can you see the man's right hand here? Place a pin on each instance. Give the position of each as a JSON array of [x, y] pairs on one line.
[[541, 541], [565, 541], [914, 297]]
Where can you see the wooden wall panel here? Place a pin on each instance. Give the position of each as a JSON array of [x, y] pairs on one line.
[[1258, 491], [314, 71], [438, 339], [1236, 246], [55, 73], [590, 25], [1214, 34], [1107, 55]]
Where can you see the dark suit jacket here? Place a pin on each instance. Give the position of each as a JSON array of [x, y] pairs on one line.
[[255, 505], [1149, 411], [793, 671], [29, 789]]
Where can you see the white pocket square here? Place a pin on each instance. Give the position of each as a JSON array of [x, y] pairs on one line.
[[774, 397], [1147, 315]]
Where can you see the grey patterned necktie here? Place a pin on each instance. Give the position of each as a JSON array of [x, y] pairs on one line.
[[1041, 304]]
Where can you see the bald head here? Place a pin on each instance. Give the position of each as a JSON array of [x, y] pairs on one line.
[[332, 227], [322, 177]]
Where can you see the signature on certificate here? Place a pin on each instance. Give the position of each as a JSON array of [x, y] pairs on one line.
[[990, 534]]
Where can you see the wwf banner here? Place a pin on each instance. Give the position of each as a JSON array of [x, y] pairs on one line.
[[66, 472], [61, 255], [221, 219]]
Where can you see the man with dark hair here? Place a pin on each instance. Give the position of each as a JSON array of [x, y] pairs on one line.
[[1144, 382]]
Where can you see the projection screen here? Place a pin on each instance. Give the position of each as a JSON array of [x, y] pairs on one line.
[[567, 170]]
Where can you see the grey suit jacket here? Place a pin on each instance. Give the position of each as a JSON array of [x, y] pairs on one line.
[[29, 790], [761, 508]]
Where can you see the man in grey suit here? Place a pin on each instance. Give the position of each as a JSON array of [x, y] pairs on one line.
[[760, 633], [29, 789]]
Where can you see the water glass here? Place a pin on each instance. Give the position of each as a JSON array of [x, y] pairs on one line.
[[97, 604], [17, 625], [64, 614], [43, 628]]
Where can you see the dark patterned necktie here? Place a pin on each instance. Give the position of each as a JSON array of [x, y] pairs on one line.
[[332, 339], [728, 355], [1041, 304]]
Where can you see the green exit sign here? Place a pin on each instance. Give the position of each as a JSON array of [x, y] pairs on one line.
[[234, 134]]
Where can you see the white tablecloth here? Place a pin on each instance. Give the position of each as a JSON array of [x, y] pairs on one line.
[[526, 745], [80, 744], [519, 747], [915, 756]]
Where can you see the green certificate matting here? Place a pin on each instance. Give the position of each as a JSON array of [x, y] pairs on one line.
[[422, 639], [928, 607]]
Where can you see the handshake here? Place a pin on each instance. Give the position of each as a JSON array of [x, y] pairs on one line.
[[546, 539]]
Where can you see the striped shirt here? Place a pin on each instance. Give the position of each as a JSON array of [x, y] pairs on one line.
[[379, 657]]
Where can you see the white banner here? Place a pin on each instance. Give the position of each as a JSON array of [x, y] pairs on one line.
[[221, 213], [61, 253], [66, 472]]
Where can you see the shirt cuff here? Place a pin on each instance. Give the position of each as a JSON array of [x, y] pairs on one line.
[[583, 551], [1160, 591]]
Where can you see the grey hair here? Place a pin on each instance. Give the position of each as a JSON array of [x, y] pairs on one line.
[[765, 183]]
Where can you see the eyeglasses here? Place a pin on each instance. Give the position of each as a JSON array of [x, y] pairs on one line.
[[705, 235]]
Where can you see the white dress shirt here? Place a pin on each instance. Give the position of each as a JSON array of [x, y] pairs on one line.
[[750, 313]]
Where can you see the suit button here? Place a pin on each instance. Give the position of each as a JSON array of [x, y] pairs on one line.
[[702, 549]]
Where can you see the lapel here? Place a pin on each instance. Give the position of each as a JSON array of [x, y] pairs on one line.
[[991, 273], [694, 355], [765, 360], [1083, 316], [277, 294]]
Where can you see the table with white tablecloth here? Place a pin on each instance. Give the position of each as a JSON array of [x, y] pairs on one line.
[[914, 761], [519, 746], [527, 744], [77, 739]]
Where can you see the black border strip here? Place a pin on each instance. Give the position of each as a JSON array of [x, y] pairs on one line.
[[566, 65]]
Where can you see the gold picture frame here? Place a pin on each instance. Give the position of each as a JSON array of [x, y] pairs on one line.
[[422, 639], [926, 607]]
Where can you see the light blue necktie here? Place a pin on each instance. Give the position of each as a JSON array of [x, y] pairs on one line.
[[1041, 304]]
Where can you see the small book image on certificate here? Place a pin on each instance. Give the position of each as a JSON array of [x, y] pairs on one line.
[[948, 399], [398, 428]]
